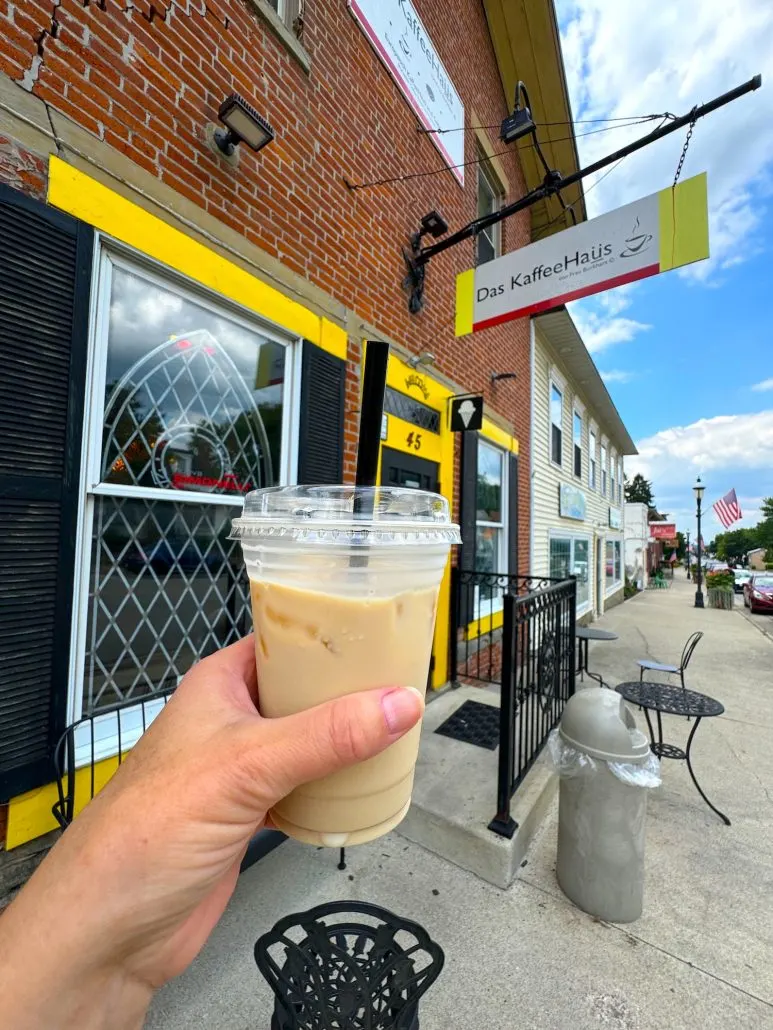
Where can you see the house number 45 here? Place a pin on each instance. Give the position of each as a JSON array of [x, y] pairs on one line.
[[414, 440]]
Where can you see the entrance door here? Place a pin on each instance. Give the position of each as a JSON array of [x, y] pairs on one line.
[[398, 469]]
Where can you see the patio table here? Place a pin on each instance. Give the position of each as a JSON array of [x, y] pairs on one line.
[[585, 634], [670, 699]]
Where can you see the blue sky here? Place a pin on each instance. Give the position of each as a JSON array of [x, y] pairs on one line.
[[683, 352]]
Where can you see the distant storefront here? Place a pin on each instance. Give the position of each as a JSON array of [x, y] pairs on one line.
[[578, 444]]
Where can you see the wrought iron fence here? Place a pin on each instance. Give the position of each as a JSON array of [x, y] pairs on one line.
[[538, 678], [477, 619]]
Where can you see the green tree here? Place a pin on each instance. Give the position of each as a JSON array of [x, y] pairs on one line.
[[681, 546], [639, 491], [732, 546], [767, 508]]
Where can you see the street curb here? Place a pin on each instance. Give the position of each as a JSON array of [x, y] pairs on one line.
[[761, 629]]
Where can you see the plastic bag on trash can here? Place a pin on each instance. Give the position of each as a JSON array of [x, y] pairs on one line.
[[570, 763]]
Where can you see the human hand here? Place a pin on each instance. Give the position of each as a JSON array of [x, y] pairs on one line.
[[136, 885]]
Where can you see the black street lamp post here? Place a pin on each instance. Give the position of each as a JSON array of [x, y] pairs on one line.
[[688, 555], [699, 488]]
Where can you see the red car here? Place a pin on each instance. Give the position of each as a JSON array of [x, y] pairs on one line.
[[758, 592]]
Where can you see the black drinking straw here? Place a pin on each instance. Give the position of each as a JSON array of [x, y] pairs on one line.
[[371, 411]]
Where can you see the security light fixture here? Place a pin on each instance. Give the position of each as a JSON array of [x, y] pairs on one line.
[[497, 377], [425, 358], [243, 124], [520, 123], [433, 224]]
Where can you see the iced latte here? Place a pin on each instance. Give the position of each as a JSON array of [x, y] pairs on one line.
[[344, 585]]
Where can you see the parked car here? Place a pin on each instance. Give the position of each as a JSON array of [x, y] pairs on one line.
[[758, 592], [742, 577]]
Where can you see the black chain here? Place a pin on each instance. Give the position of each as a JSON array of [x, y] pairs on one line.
[[684, 149]]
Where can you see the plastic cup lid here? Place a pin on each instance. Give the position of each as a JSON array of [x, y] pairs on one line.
[[360, 514]]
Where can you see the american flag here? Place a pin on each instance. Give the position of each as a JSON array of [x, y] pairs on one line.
[[728, 509]]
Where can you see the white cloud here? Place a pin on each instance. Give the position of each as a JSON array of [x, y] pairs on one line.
[[728, 451], [599, 331], [600, 321], [762, 387], [617, 376], [625, 59]]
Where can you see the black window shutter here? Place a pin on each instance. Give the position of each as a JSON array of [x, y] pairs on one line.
[[45, 277], [321, 453], [468, 512], [512, 516]]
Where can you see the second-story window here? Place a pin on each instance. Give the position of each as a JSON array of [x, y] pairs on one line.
[[604, 469], [612, 477], [556, 423], [287, 10], [592, 462], [489, 201], [620, 482], [577, 439]]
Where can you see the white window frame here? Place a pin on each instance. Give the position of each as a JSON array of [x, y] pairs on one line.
[[286, 10], [558, 384], [617, 583], [494, 232], [578, 412], [613, 475], [560, 534], [603, 467], [593, 462], [493, 605], [107, 255]]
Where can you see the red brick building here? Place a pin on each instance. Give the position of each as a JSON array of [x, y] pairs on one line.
[[179, 325]]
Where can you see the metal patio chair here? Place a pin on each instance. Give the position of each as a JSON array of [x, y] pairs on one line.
[[67, 763], [645, 665], [347, 965]]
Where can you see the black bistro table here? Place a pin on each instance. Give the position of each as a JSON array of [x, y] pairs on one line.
[[584, 634], [670, 699]]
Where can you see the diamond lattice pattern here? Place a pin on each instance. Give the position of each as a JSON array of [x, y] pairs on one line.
[[167, 588]]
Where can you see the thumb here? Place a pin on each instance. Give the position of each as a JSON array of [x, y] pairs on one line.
[[319, 741]]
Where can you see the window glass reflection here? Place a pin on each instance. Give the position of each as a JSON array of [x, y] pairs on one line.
[[193, 399]]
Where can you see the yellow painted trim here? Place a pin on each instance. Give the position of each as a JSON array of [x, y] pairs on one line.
[[683, 215], [79, 195], [435, 447], [29, 815], [398, 432], [498, 436], [480, 627], [333, 339], [465, 295]]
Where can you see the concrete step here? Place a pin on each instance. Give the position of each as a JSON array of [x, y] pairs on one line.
[[454, 797]]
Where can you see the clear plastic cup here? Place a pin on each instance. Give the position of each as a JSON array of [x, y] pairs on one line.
[[344, 583]]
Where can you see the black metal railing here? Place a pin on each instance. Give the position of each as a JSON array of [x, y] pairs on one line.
[[538, 678], [477, 614]]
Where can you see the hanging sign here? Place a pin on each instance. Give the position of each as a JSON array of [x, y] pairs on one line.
[[663, 530], [466, 414], [663, 231], [398, 36], [615, 519], [571, 502]]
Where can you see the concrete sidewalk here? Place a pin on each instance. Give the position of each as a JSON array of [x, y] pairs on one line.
[[700, 957]]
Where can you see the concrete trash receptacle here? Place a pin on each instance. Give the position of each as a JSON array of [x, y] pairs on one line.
[[606, 767]]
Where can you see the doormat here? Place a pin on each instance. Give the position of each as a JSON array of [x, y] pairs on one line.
[[473, 723]]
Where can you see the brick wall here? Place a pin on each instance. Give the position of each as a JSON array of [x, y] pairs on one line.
[[147, 78]]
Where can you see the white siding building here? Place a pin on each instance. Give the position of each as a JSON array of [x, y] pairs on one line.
[[578, 442]]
